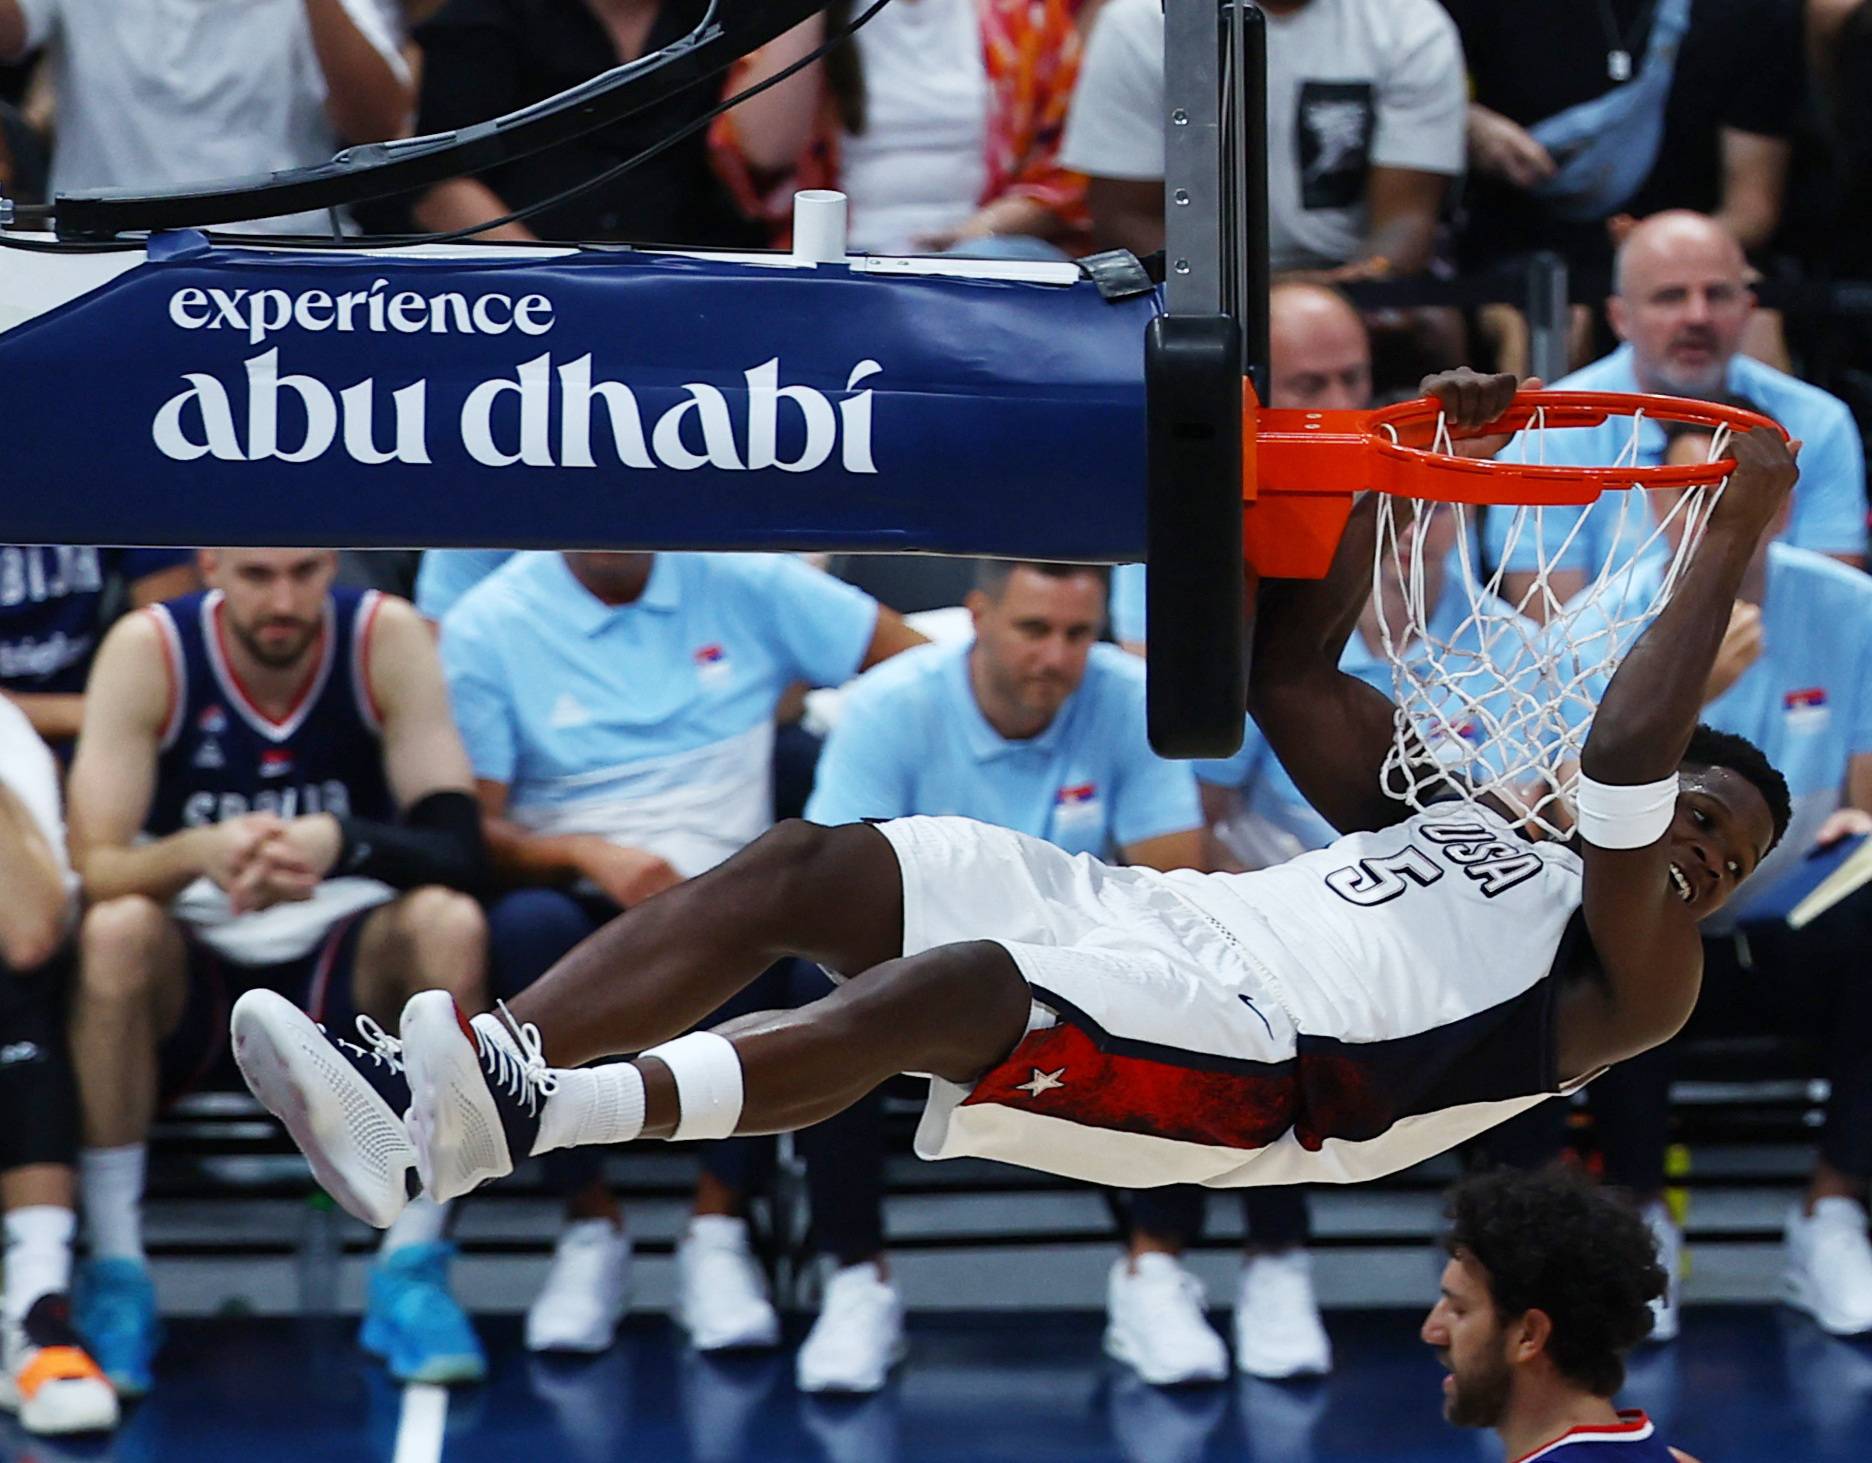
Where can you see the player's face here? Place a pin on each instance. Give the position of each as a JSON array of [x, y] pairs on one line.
[[1472, 1342], [1684, 310], [1722, 830], [274, 599], [1032, 641]]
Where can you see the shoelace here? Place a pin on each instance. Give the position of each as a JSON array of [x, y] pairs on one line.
[[525, 1077], [379, 1045]]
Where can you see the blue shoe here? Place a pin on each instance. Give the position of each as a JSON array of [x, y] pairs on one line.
[[412, 1322], [115, 1304]]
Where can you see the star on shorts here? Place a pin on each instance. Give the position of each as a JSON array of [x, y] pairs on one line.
[[1042, 1082]]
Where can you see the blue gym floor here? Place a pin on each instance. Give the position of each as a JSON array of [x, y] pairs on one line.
[[1745, 1384]]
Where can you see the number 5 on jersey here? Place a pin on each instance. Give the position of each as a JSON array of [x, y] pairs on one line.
[[1376, 880]]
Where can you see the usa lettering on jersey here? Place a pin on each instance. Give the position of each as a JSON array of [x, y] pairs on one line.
[[1495, 863]]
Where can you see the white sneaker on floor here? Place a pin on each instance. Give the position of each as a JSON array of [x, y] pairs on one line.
[[1155, 1324], [49, 1379], [858, 1337], [1278, 1332], [582, 1301], [1667, 1309], [1829, 1266], [721, 1296]]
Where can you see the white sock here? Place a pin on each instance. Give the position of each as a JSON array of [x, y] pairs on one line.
[[420, 1223], [593, 1105], [111, 1181], [38, 1255]]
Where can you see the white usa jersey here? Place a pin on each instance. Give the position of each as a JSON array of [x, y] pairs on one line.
[[1405, 930]]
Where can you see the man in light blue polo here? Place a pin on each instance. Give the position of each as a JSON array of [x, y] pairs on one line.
[[1795, 677], [1032, 725], [619, 713], [1681, 305]]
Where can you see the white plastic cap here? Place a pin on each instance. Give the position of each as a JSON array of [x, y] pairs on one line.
[[819, 216]]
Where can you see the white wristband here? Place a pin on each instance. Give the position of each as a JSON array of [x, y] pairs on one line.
[[707, 1070], [1615, 815]]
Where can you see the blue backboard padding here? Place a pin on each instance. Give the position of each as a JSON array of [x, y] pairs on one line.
[[216, 395]]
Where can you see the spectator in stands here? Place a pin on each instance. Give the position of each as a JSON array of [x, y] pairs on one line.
[[1680, 303], [54, 604], [484, 58], [1581, 115], [1032, 725], [156, 96], [619, 714], [1795, 677], [940, 120], [1365, 106], [51, 1381], [267, 791]]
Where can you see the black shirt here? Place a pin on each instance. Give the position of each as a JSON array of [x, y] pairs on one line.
[[1740, 65], [482, 58]]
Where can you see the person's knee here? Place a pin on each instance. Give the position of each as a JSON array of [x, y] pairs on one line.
[[447, 935], [120, 942], [834, 894], [954, 1011]]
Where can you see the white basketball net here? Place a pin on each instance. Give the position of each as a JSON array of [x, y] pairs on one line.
[[1489, 702]]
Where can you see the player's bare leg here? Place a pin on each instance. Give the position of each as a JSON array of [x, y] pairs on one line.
[[482, 1096], [830, 895]]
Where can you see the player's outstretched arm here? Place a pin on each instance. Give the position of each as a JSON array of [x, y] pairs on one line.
[[1330, 730], [1644, 934]]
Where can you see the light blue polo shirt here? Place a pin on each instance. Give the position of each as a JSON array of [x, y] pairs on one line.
[[1806, 701], [912, 739], [1127, 604], [1829, 502], [445, 575], [1256, 772], [649, 723]]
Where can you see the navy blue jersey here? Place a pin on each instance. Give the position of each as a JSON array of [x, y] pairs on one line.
[[53, 599], [221, 756], [1632, 1439]]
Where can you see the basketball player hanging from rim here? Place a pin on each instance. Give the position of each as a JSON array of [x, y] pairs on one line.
[[1333, 1018]]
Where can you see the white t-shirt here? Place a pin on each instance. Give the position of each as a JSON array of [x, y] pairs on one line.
[[29, 773], [1115, 127], [1352, 85], [921, 163], [159, 93]]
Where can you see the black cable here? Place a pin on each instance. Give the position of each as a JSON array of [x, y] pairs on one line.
[[520, 215]]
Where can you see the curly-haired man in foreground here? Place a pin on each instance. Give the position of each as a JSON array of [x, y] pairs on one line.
[[1549, 1284]]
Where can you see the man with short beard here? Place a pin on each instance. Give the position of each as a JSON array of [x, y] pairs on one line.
[[1681, 303], [1548, 1285], [268, 791]]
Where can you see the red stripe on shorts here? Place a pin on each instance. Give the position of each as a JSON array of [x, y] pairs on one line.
[[1061, 1073]]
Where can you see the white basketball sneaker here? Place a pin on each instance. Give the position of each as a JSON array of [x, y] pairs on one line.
[[721, 1294], [583, 1299], [49, 1379], [342, 1101], [1154, 1323], [1667, 1309], [858, 1337], [1278, 1332], [1829, 1266], [476, 1091]]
